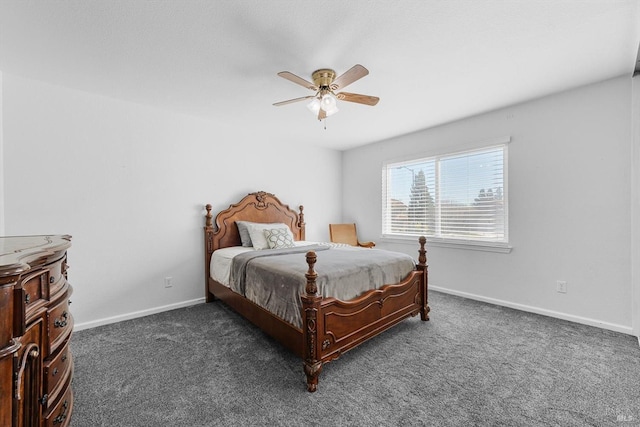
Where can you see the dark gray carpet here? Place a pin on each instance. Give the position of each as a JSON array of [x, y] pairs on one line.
[[472, 364]]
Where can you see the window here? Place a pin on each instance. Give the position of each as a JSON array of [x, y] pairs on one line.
[[455, 198]]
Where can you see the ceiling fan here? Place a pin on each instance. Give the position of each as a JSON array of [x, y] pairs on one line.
[[325, 83]]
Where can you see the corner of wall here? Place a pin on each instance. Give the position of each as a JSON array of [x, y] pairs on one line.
[[635, 205]]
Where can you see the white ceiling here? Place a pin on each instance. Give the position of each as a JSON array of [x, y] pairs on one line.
[[430, 62]]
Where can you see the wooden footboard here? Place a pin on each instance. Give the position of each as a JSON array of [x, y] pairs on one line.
[[346, 324], [331, 326]]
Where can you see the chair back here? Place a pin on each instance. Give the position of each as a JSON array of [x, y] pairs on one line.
[[343, 233]]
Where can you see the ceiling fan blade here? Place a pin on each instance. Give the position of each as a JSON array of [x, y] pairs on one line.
[[354, 73], [356, 97], [297, 80], [321, 114], [291, 101]]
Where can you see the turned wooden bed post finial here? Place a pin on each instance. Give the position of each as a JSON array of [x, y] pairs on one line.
[[311, 275], [209, 222], [301, 223], [422, 259]]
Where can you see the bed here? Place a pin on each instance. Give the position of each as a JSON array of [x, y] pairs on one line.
[[327, 326]]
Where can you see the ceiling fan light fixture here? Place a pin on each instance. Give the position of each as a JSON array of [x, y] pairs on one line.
[[314, 106], [329, 102]]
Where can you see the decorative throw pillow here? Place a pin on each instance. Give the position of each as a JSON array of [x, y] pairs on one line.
[[279, 238], [256, 231], [245, 238]]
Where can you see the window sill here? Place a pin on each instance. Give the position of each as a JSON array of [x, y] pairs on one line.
[[503, 248]]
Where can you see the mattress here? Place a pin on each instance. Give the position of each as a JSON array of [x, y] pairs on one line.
[[275, 280]]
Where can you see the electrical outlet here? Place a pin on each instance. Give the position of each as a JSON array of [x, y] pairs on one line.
[[561, 286], [168, 282]]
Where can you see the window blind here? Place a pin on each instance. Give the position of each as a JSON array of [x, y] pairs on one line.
[[460, 196]]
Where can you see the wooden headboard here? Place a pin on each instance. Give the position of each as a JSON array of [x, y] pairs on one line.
[[254, 207]]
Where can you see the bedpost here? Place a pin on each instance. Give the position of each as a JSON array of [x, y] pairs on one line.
[[208, 250], [424, 292], [301, 223], [311, 324]]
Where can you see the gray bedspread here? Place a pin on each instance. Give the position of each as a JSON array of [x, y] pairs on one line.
[[275, 279]]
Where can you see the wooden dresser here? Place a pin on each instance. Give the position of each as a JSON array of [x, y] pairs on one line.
[[35, 328]]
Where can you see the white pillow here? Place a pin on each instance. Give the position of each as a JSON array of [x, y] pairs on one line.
[[256, 232], [278, 238]]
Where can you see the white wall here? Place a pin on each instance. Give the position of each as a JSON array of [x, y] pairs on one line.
[[635, 205], [1, 166], [569, 205], [129, 183]]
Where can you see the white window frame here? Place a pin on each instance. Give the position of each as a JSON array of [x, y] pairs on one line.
[[459, 243]]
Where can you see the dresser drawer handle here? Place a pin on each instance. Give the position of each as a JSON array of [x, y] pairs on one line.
[[61, 323], [29, 358], [55, 372], [63, 415], [27, 299], [52, 279], [64, 357]]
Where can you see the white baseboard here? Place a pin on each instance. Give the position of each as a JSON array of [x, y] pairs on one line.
[[136, 314], [559, 315], [578, 319]]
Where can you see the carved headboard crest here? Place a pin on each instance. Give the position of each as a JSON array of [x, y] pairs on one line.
[[254, 207], [260, 197]]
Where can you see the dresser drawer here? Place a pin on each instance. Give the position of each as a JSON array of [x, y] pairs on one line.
[[45, 283], [56, 277], [35, 288], [57, 370], [60, 415], [60, 323]]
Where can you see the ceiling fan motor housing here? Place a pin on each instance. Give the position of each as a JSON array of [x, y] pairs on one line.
[[323, 77]]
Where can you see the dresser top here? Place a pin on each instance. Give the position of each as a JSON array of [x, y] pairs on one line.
[[18, 254]]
